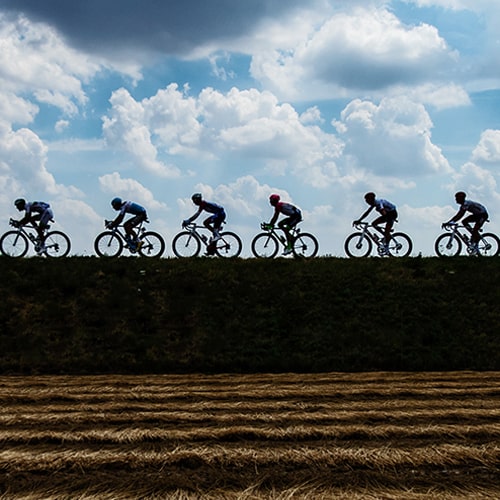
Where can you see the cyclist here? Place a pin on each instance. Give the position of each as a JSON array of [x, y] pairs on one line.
[[293, 217], [139, 215], [388, 214], [213, 223], [35, 211], [479, 215]]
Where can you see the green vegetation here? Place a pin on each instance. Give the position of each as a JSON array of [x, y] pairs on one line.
[[129, 315]]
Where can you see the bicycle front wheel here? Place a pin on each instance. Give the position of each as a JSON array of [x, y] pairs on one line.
[[14, 244], [305, 246], [265, 246], [357, 245], [108, 244], [448, 245], [152, 245], [489, 245], [400, 245], [186, 244], [229, 245], [56, 244]]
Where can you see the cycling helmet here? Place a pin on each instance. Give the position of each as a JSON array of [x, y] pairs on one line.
[[196, 198], [20, 203], [116, 203], [460, 195], [370, 196], [273, 199]]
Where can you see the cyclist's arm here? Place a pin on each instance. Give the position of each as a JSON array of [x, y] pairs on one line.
[[118, 220], [28, 218], [275, 217], [458, 216], [194, 216], [365, 214]]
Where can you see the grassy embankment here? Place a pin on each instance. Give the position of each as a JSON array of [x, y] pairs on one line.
[[90, 315]]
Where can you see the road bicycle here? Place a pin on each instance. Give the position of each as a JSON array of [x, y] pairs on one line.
[[450, 244], [16, 243], [188, 243], [266, 245], [111, 243], [361, 243]]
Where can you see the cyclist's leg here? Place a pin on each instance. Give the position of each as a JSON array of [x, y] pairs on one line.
[[467, 224], [478, 220], [45, 218], [285, 225], [380, 220], [218, 220], [391, 219], [209, 223], [130, 224], [35, 221]]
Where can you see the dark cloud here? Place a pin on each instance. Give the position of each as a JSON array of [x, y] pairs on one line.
[[167, 26]]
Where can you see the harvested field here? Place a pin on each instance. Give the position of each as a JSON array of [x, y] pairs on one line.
[[279, 436]]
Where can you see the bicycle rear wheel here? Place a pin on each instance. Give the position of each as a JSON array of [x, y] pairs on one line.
[[229, 245], [447, 245], [108, 244], [305, 246], [400, 245], [14, 244], [186, 244], [358, 245], [56, 244], [265, 246], [152, 244], [489, 245]]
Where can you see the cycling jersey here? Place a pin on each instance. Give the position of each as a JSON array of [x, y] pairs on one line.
[[473, 207], [36, 206], [286, 208], [210, 207], [381, 205], [129, 207]]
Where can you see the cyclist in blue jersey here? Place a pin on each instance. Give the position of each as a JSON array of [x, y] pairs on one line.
[[293, 216], [213, 223], [138, 213], [388, 214], [479, 215], [38, 213]]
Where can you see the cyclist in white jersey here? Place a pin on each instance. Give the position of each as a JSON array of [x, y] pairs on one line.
[[388, 214], [479, 215], [38, 213], [138, 213]]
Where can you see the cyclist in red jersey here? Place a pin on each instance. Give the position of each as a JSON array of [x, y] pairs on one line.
[[293, 217]]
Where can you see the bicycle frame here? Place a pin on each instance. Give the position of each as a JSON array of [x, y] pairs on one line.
[[121, 233], [454, 230], [364, 227], [194, 229], [21, 230], [190, 241], [16, 242], [273, 231]]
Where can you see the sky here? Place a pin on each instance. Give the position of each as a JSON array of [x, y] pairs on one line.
[[317, 100]]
